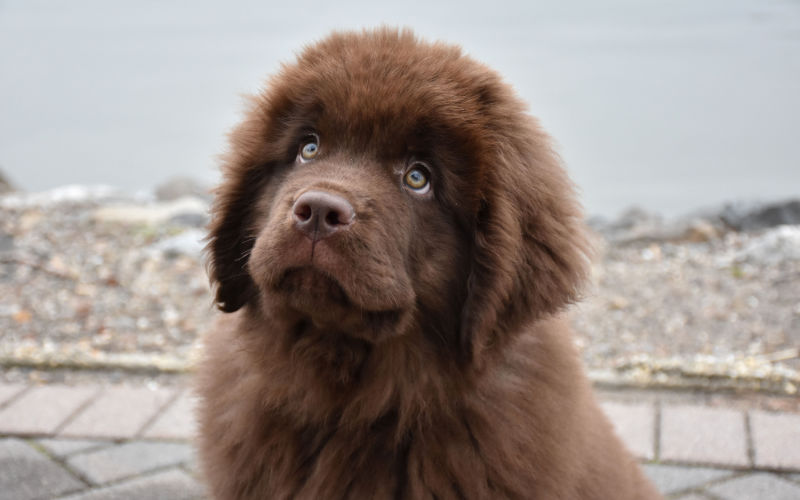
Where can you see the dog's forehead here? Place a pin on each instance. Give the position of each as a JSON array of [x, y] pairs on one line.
[[390, 92]]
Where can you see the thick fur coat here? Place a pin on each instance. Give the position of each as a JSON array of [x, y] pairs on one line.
[[392, 246]]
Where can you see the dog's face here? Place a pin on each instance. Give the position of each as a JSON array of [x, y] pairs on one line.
[[382, 186], [354, 236]]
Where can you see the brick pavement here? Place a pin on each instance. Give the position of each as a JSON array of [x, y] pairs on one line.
[[93, 442]]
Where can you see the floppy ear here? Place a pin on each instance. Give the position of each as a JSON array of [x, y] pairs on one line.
[[256, 147], [230, 240], [529, 254], [229, 244]]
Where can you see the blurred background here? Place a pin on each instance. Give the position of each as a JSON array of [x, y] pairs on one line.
[[686, 109], [668, 105]]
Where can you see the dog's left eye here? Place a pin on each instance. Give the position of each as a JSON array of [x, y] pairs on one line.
[[309, 148], [417, 178]]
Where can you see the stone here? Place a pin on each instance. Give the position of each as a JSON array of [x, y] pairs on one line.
[[120, 412], [176, 422], [618, 303], [634, 424], [42, 410], [167, 485], [776, 439], [28, 474], [152, 214], [197, 220], [753, 217], [5, 184], [773, 247], [129, 459], [190, 242], [179, 187], [700, 231], [8, 391], [69, 194], [671, 479], [701, 435], [65, 447], [756, 486], [634, 224]]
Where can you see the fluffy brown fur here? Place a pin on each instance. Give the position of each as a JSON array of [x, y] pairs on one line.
[[416, 352]]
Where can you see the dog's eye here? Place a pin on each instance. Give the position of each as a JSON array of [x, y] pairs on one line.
[[417, 178], [309, 148]]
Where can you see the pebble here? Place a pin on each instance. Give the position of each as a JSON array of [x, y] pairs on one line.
[[89, 276], [151, 214], [773, 247], [179, 187], [190, 242]]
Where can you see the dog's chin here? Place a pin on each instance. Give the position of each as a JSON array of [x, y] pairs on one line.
[[312, 292], [320, 299]]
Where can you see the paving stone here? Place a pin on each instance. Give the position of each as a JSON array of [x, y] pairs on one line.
[[43, 409], [634, 424], [129, 459], [28, 474], [167, 485], [697, 434], [177, 421], [757, 486], [8, 391], [671, 479], [776, 439], [120, 412], [64, 447]]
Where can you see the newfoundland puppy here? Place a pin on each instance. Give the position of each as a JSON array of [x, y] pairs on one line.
[[393, 244]]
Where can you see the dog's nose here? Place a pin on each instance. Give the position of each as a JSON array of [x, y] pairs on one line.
[[319, 214]]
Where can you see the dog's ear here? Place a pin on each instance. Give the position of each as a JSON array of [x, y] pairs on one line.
[[529, 255], [230, 240], [229, 245]]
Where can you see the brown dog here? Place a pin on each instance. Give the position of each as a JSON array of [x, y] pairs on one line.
[[392, 243]]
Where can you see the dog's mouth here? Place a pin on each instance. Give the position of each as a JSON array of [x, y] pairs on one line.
[[308, 287], [319, 296]]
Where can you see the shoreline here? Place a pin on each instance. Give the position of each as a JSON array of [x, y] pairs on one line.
[[94, 279]]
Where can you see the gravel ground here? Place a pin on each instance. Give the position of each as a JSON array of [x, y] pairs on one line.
[[99, 281], [95, 279], [728, 308]]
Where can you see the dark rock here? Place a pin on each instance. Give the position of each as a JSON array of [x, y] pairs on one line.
[[5, 184], [190, 219], [753, 217], [639, 226]]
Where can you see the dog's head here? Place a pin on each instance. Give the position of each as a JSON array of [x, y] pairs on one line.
[[382, 185]]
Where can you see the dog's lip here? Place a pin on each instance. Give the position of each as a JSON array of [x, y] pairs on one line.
[[279, 284], [367, 288], [347, 301]]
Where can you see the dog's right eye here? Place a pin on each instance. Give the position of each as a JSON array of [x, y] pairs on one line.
[[309, 148], [417, 178]]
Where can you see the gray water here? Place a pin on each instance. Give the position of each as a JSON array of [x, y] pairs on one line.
[[670, 105]]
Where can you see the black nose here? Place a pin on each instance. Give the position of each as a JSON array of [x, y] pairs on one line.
[[319, 214]]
